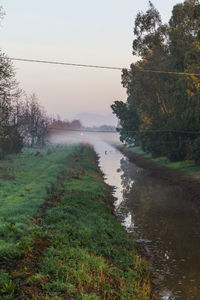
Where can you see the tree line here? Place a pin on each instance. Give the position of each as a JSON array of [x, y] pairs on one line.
[[56, 123], [22, 119], [162, 111]]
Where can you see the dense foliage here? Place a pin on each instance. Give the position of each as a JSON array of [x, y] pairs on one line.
[[162, 111]]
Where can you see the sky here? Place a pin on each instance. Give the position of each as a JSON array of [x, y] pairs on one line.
[[96, 32]]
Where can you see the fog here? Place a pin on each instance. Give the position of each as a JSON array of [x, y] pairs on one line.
[[94, 138]]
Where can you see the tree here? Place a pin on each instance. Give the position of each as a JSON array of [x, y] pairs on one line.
[[163, 106], [129, 121], [21, 121], [33, 122], [10, 140]]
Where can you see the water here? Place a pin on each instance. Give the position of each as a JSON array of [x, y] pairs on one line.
[[161, 219]]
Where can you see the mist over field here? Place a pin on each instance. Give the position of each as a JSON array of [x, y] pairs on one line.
[[84, 137]]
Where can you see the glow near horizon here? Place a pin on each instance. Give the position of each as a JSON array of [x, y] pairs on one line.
[[88, 32]]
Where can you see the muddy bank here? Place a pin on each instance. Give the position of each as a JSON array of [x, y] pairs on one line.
[[190, 186]]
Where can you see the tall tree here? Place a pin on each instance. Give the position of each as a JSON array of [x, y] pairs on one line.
[[10, 140], [164, 102]]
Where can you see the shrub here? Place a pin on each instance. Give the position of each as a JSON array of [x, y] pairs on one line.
[[196, 151]]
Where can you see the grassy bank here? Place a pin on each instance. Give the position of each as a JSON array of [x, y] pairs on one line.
[[187, 166], [63, 240], [25, 180]]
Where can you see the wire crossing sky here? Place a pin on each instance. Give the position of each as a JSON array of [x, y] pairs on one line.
[[91, 31], [169, 131], [101, 67]]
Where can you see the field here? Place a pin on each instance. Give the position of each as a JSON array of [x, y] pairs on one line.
[[58, 236]]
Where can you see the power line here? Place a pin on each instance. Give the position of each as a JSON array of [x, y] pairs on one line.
[[126, 131], [83, 130], [101, 67], [65, 63], [166, 72], [164, 131]]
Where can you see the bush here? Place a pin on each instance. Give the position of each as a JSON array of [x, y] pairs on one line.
[[176, 155], [196, 151], [4, 278], [10, 142]]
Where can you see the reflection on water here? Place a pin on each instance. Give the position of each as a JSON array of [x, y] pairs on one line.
[[168, 225], [165, 223]]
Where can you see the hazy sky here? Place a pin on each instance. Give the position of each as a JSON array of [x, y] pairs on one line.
[[78, 31]]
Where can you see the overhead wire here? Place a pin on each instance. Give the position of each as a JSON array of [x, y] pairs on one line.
[[127, 131], [113, 68], [65, 63], [100, 66]]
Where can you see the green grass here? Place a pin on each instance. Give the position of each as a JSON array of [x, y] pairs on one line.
[[187, 166], [75, 248], [24, 182]]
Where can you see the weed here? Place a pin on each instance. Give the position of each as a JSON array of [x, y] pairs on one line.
[[88, 297], [38, 235], [4, 278], [8, 288], [25, 245], [36, 278]]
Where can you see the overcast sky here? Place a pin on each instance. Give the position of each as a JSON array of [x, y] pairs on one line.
[[78, 31]]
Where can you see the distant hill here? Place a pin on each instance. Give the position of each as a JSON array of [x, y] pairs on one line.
[[90, 120]]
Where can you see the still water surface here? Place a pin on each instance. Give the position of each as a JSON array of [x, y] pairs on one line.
[[160, 218]]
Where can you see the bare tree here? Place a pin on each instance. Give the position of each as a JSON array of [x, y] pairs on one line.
[[33, 122], [10, 140]]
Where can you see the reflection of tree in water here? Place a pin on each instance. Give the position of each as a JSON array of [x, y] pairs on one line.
[[144, 193], [162, 215], [130, 176], [135, 190], [131, 173], [154, 206], [152, 201]]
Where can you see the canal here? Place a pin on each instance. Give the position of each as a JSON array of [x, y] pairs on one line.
[[164, 223]]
